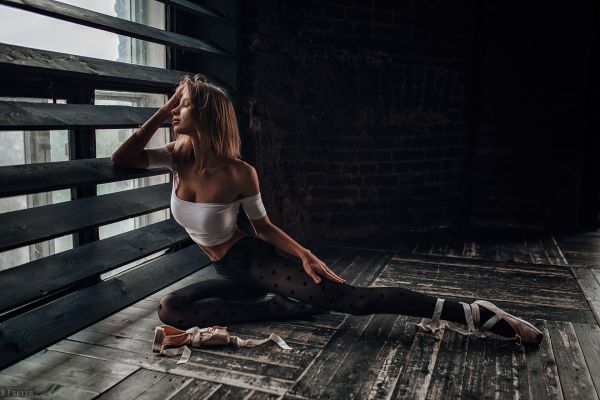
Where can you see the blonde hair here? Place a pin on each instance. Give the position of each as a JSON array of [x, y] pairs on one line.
[[214, 116]]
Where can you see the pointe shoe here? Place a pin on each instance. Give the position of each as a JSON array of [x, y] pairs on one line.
[[168, 336], [525, 333]]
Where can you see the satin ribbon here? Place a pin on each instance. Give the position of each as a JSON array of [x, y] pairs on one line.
[[435, 326]]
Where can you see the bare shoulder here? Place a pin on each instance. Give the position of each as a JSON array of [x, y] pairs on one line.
[[246, 177], [243, 168]]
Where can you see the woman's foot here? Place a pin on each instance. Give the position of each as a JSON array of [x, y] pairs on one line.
[[487, 317], [501, 327]]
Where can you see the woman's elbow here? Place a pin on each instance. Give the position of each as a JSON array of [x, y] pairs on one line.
[[116, 156], [117, 160], [126, 157], [262, 226]]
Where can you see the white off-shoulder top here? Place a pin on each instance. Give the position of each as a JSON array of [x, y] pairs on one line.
[[208, 224]]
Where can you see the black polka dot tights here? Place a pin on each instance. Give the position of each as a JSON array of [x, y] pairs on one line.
[[259, 282]]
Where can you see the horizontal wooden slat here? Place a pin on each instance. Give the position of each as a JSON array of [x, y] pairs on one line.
[[43, 67], [45, 177], [37, 116], [198, 10], [105, 74], [120, 26], [52, 273], [19, 228], [36, 329]]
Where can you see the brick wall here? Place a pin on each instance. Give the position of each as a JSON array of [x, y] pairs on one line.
[[356, 113], [376, 117]]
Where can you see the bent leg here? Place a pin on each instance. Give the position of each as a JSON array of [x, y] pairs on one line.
[[222, 301]]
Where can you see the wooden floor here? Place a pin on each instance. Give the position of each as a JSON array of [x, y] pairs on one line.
[[552, 280]]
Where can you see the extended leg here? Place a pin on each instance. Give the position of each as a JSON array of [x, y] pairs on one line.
[[285, 275]]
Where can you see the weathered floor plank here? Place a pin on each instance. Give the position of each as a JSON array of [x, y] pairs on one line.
[[555, 254], [456, 246], [65, 371], [45, 389], [542, 374], [349, 378], [581, 248], [589, 281], [447, 375], [589, 340], [133, 386], [575, 378], [317, 376], [420, 360], [389, 362], [192, 369], [537, 293], [521, 250]]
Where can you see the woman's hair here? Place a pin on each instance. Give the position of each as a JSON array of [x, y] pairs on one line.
[[214, 117]]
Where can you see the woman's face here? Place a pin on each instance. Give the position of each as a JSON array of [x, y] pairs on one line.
[[183, 120]]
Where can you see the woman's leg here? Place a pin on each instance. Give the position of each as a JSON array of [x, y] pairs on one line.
[[282, 273], [223, 301]]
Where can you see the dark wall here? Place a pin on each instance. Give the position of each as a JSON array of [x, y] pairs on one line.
[[374, 117], [533, 113]]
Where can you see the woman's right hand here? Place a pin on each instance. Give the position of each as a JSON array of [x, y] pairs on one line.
[[173, 102]]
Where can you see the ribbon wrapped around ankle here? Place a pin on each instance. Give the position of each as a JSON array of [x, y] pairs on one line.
[[437, 326], [434, 326], [170, 341]]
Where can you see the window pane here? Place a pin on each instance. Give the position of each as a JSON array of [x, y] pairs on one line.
[[127, 225], [25, 254], [19, 147], [42, 32], [126, 267], [30, 147], [108, 140]]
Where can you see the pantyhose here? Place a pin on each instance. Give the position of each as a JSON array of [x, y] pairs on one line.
[[259, 282]]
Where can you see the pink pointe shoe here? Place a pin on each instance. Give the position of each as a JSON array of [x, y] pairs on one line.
[[525, 333], [168, 336], [170, 341]]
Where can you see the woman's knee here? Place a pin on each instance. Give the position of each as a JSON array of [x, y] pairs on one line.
[[168, 307]]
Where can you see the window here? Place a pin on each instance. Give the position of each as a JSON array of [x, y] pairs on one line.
[[28, 147], [131, 58], [57, 188]]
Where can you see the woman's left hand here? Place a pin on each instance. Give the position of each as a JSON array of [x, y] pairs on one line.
[[312, 263]]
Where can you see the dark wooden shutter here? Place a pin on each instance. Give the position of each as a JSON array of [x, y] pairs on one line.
[[201, 37]]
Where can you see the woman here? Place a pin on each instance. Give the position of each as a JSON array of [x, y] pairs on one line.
[[209, 183]]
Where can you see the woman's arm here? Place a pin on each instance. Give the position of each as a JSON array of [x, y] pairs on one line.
[[267, 231], [271, 233], [131, 153]]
